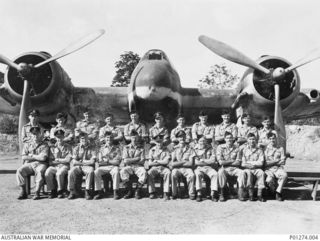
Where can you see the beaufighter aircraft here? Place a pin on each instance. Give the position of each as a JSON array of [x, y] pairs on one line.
[[35, 80]]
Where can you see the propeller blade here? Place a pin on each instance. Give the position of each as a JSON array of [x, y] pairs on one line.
[[8, 62], [230, 53], [278, 121], [25, 103], [79, 44], [314, 55]]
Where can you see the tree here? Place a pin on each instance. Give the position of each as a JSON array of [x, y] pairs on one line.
[[219, 77], [124, 68]]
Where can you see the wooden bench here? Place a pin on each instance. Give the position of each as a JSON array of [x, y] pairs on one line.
[[304, 171]]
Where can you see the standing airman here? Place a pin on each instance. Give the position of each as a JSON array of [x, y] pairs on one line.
[[274, 166], [264, 131], [33, 121], [226, 125], [133, 159], [59, 164], [202, 129], [89, 127], [206, 164], [35, 157], [109, 161], [110, 127], [159, 129], [159, 158], [61, 120], [181, 165], [137, 126], [252, 160], [245, 129], [181, 126]]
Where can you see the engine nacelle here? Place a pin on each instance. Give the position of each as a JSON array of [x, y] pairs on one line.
[[262, 92], [50, 86]]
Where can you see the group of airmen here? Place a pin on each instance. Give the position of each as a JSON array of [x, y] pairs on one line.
[[62, 156]]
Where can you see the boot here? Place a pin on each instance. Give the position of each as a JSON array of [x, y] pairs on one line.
[[128, 188], [72, 195], [251, 195], [199, 196], [166, 196], [241, 194], [232, 193], [116, 195], [279, 196], [61, 194], [222, 195], [152, 195], [88, 195], [137, 194], [23, 193], [36, 195], [215, 196], [99, 195], [53, 194], [260, 195]]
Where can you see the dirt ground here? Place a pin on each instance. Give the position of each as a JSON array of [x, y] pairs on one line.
[[298, 214]]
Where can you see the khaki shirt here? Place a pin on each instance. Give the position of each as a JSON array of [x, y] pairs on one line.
[[176, 130], [88, 127], [222, 128], [63, 151], [155, 131], [226, 153], [182, 154], [116, 132], [81, 153], [130, 151], [204, 154], [199, 130], [109, 153], [139, 128], [36, 148], [243, 131], [252, 156], [274, 154], [25, 132], [157, 153]]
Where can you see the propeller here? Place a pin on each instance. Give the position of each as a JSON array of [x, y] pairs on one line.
[[230, 53], [278, 120], [26, 71]]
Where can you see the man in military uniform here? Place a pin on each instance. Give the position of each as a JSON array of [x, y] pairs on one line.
[[61, 120], [181, 126], [228, 157], [274, 166], [109, 161], [226, 125], [159, 130], [137, 126], [83, 158], [89, 127], [33, 121], [59, 164], [205, 163], [264, 131], [35, 159], [110, 127], [181, 165], [252, 160], [201, 128], [159, 158], [245, 129], [133, 159]]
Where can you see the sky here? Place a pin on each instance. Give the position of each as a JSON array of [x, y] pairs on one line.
[[288, 29]]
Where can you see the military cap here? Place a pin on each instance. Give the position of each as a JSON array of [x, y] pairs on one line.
[[82, 134], [158, 138], [226, 112], [251, 135], [227, 133], [134, 133], [158, 115], [203, 113], [35, 129], [180, 133], [265, 118], [34, 112], [133, 112], [109, 115], [59, 132], [271, 134], [180, 115], [202, 138], [61, 115], [245, 115]]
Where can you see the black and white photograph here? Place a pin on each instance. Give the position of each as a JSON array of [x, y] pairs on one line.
[[159, 117]]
